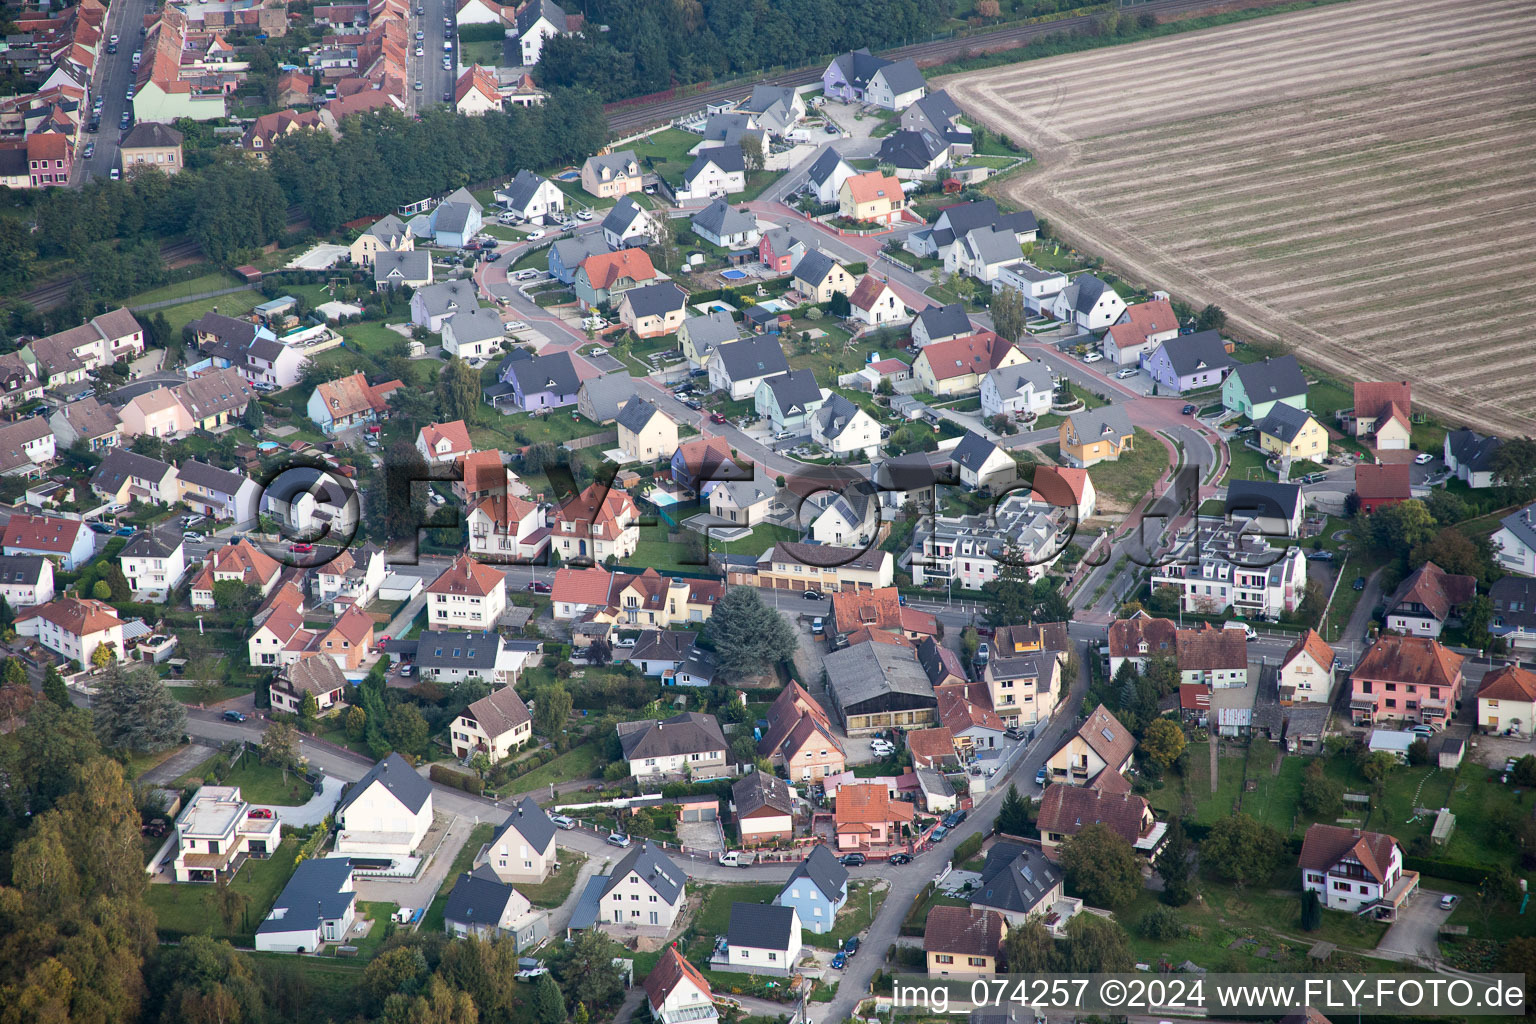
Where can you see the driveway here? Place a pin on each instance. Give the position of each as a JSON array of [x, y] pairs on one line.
[[313, 812], [421, 890], [1417, 928]]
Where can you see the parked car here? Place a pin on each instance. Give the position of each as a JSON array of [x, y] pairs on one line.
[[851, 860], [301, 549], [562, 822], [954, 817], [1041, 776], [1189, 410], [583, 214], [939, 834], [538, 587], [618, 839], [234, 716], [1320, 556], [814, 595], [1013, 732], [527, 275], [1423, 459], [260, 812], [126, 531], [624, 641], [101, 527], [716, 417], [533, 236], [1093, 357], [695, 406], [1359, 583], [839, 962], [1449, 901], [192, 536], [851, 947], [1129, 371], [89, 151], [900, 858]]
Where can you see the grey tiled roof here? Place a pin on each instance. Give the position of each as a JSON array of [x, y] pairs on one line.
[[824, 870], [472, 325], [814, 267], [654, 867], [1249, 498], [520, 191], [720, 218], [1283, 421], [636, 413], [311, 896], [398, 777], [1272, 379], [944, 321], [973, 450], [415, 265], [657, 299], [903, 76], [754, 357], [1188, 352], [760, 925], [478, 898], [1015, 878], [727, 158], [794, 390], [530, 821]]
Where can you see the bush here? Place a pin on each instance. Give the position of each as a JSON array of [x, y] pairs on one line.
[[1161, 924], [448, 777], [967, 849], [1468, 873]]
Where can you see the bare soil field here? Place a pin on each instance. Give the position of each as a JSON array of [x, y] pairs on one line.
[[1356, 182]]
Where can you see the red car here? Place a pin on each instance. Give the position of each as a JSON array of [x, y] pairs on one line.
[[715, 417], [538, 587], [381, 641], [260, 812], [301, 548]]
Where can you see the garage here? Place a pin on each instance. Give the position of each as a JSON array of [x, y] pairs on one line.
[[699, 810]]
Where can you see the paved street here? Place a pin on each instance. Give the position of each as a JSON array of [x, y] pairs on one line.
[[114, 73]]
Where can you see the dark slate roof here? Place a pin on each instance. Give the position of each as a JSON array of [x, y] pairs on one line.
[[1249, 498], [529, 821], [911, 150], [1188, 351], [151, 135], [727, 158], [1473, 450], [796, 389], [1272, 379], [1015, 878], [555, 372], [26, 570], [636, 413], [938, 107], [760, 925], [963, 217], [159, 542], [661, 645], [754, 357], [120, 464], [1283, 421], [221, 481], [824, 870], [478, 897], [1085, 291], [858, 66], [814, 266], [551, 12], [656, 299], [462, 649], [451, 217], [712, 329], [225, 328], [824, 166], [624, 213], [903, 76], [519, 193], [973, 450], [414, 265], [759, 790], [395, 775], [312, 895], [654, 868], [687, 733], [720, 218], [946, 320], [1514, 602], [835, 415]]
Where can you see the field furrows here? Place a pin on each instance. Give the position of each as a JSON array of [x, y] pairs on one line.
[[1355, 181]]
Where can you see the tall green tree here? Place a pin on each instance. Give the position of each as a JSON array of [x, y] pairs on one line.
[[135, 711], [1101, 867], [551, 711], [1241, 849], [748, 636], [1163, 742], [1008, 314], [1173, 866], [458, 390], [1013, 817], [547, 1005], [54, 687], [587, 973]]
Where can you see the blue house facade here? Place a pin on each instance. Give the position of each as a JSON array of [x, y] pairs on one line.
[[817, 890], [567, 255], [540, 382], [1189, 362]]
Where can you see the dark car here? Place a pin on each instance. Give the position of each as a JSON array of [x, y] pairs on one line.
[[234, 716], [954, 818], [94, 126], [852, 860], [852, 945], [695, 406], [901, 858], [1359, 583], [814, 595], [538, 586], [1189, 410]]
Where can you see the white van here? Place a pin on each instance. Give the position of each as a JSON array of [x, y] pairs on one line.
[[1239, 624]]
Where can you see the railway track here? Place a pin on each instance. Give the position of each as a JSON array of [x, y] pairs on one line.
[[623, 118]]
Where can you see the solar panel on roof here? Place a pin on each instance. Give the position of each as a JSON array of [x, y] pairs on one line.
[[1108, 735]]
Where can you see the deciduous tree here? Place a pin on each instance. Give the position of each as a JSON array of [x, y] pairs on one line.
[[134, 711], [1163, 742], [1241, 849], [1101, 867], [1008, 315]]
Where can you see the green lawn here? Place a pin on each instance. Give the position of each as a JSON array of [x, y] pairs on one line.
[[667, 151], [191, 694], [189, 909], [554, 890], [576, 763], [263, 783], [375, 339], [210, 282], [1246, 464], [1130, 477], [714, 915], [233, 304], [379, 914], [486, 52], [432, 920], [855, 916]]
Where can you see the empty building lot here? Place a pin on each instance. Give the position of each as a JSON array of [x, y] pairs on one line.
[[1354, 181]]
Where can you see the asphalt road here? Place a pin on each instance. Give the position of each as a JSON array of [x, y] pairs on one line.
[[428, 68], [114, 73]]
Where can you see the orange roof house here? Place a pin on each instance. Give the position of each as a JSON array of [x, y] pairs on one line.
[[800, 736], [866, 816], [675, 983], [932, 748], [476, 91], [949, 367], [1065, 487], [879, 608], [1145, 325], [1425, 682], [348, 401], [469, 578], [871, 196], [1382, 486], [1506, 701], [705, 459], [444, 442], [602, 277], [1383, 412]]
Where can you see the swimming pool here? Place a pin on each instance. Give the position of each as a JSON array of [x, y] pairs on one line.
[[267, 446], [733, 275]]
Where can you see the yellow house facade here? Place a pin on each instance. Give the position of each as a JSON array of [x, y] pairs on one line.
[[1095, 435], [645, 432], [958, 367], [1292, 432]]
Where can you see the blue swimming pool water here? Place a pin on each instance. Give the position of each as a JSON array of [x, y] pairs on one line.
[[267, 446], [734, 275]]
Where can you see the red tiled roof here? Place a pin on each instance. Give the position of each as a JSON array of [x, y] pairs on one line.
[[868, 804], [1373, 400], [467, 576], [1062, 486], [51, 534], [1389, 481], [606, 268], [80, 617], [455, 433], [974, 353], [1326, 845], [1410, 659], [1435, 589], [1509, 683], [665, 976], [1127, 635], [963, 931], [581, 586], [872, 185], [1211, 649], [867, 292], [1070, 809], [1313, 644], [930, 746]]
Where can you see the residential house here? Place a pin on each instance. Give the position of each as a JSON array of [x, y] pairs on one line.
[[1406, 678], [349, 402], [954, 222], [474, 334], [1382, 414], [476, 92], [1138, 639], [1067, 810], [1380, 487], [941, 323], [964, 710], [1291, 433], [153, 562], [1275, 508], [654, 310], [1506, 701], [1088, 303], [1469, 457], [313, 502], [215, 830], [1514, 542], [765, 808], [567, 255], [699, 336], [577, 592], [645, 432], [531, 198], [914, 155], [537, 22], [1305, 674], [88, 420], [1514, 612], [982, 253], [673, 656], [1022, 884], [388, 234], [68, 540], [316, 907], [218, 493], [452, 656], [456, 220], [523, 849], [241, 562], [842, 427], [817, 890], [872, 197], [800, 737], [597, 524], [851, 518], [874, 303], [550, 381], [1093, 436], [774, 108], [644, 890], [738, 367], [468, 595], [849, 77], [1039, 288], [386, 813], [74, 628], [723, 225], [150, 145], [253, 351], [1065, 487], [826, 177], [605, 277], [101, 340], [957, 367], [1022, 391], [600, 398], [654, 600], [435, 304], [26, 446], [702, 461], [262, 134], [1211, 656], [482, 905], [312, 674], [677, 993], [444, 443], [346, 641], [1356, 871], [628, 225], [936, 112], [789, 400], [507, 528], [1142, 327], [1231, 566], [865, 815], [1023, 682], [1253, 389], [27, 580], [979, 463], [875, 686], [1427, 600], [689, 745], [819, 277], [744, 502], [1101, 744], [763, 938], [715, 171], [1189, 362], [497, 725], [963, 940]]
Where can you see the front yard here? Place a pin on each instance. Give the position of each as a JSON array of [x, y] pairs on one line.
[[1128, 479], [864, 901], [267, 784], [553, 891], [193, 909], [432, 920]]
